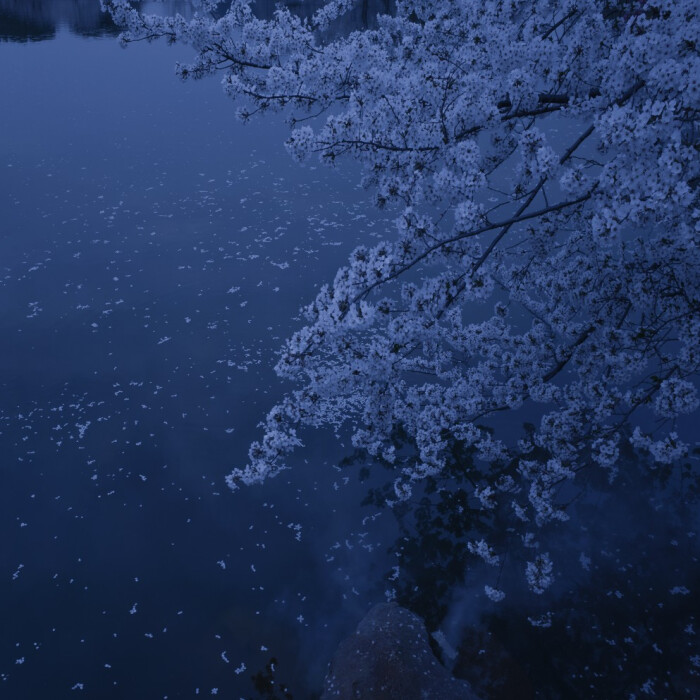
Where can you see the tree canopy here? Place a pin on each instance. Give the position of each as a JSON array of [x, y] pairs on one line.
[[542, 160]]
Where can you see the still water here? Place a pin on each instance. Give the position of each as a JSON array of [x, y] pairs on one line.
[[153, 255]]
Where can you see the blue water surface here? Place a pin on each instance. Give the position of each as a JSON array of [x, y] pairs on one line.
[[154, 253]]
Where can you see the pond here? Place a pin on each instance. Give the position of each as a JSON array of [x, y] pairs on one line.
[[154, 254]]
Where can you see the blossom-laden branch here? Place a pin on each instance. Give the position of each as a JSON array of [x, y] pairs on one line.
[[459, 113]]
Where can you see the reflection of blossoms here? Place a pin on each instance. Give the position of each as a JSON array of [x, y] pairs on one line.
[[486, 497], [544, 620], [539, 573], [494, 594], [483, 550]]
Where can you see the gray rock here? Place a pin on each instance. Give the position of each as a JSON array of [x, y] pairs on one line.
[[389, 658]]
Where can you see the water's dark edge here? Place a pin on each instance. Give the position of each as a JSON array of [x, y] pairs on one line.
[[154, 254]]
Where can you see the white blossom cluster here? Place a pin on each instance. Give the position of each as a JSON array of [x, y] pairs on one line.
[[542, 156]]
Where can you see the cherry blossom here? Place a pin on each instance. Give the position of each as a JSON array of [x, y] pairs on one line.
[[542, 160]]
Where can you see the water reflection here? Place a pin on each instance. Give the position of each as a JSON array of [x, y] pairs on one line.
[[36, 20], [363, 14], [621, 613], [174, 258], [23, 20]]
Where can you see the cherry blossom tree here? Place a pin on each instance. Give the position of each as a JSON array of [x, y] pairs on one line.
[[542, 160]]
